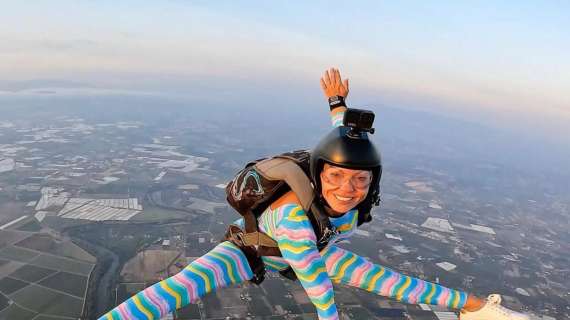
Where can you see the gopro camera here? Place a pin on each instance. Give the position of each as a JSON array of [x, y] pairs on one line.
[[359, 120]]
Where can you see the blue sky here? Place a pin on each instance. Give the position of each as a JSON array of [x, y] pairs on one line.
[[500, 57]]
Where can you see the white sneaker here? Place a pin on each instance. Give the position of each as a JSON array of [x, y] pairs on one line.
[[492, 310]]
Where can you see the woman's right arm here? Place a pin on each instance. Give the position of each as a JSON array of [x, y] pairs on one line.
[[337, 116], [333, 85]]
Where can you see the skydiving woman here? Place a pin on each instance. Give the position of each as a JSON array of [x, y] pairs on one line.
[[345, 172]]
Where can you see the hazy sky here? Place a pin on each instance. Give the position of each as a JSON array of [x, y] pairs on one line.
[[501, 56]]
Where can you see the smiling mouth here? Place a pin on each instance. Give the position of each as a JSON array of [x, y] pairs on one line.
[[343, 199]]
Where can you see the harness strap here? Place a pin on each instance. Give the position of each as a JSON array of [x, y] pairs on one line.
[[250, 222], [234, 234], [258, 239], [255, 244], [263, 244], [288, 171]]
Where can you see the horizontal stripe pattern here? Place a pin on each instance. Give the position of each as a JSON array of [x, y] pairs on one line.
[[346, 224], [348, 268], [337, 117], [302, 255], [225, 265]]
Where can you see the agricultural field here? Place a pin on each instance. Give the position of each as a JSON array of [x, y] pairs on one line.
[[151, 213], [11, 210], [9, 237], [66, 282], [44, 317], [18, 254], [149, 265], [63, 264], [38, 242], [46, 243], [41, 277], [9, 285], [4, 302], [7, 269], [31, 273], [15, 312], [44, 300], [31, 226]]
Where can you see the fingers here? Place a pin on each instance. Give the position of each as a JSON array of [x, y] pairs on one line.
[[323, 85], [333, 84], [334, 77], [327, 78]]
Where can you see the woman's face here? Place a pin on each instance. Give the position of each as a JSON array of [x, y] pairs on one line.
[[344, 189]]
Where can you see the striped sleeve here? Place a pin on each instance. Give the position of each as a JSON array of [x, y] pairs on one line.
[[337, 116], [223, 266], [348, 268], [297, 242]]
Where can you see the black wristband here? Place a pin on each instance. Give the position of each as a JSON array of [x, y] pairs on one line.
[[336, 101]]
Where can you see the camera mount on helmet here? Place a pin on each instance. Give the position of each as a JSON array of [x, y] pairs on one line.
[[359, 121]]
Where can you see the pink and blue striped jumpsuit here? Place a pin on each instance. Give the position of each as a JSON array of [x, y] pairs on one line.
[[288, 224]]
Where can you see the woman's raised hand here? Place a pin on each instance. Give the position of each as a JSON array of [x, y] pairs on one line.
[[333, 85]]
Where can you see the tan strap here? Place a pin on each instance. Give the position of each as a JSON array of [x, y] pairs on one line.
[[288, 171], [258, 239]]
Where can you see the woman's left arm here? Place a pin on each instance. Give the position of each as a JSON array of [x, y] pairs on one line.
[[297, 242], [348, 268]]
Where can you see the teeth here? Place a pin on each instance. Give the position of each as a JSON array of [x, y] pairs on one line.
[[342, 198]]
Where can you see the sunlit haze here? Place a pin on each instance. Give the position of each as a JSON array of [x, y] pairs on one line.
[[500, 62]]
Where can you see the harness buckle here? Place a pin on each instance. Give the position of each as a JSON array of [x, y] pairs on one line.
[[326, 236]]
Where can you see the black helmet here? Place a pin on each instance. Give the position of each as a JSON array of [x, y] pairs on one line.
[[348, 146]]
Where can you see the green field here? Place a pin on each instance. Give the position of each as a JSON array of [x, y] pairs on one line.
[[38, 242], [63, 264], [31, 273], [154, 213], [11, 210], [13, 312], [4, 302], [43, 317], [17, 254], [32, 226], [43, 300], [46, 243], [8, 237], [66, 282], [9, 285]]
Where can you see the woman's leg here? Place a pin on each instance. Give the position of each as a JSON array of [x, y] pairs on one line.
[[348, 268], [225, 265]]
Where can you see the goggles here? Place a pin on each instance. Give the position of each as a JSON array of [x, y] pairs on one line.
[[337, 178]]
